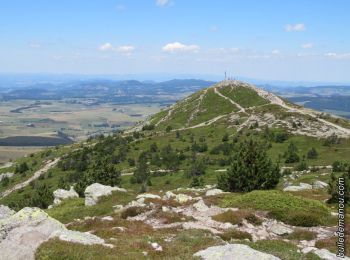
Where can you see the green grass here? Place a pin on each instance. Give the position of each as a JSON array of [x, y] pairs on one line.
[[129, 246], [244, 96], [212, 106], [72, 209], [283, 206]]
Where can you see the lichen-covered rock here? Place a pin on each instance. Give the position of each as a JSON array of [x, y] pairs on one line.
[[95, 191], [62, 194], [233, 251], [23, 232], [280, 229], [213, 192], [5, 212], [182, 198], [169, 195]]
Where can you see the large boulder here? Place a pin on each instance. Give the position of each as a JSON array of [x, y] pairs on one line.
[[5, 212], [62, 194], [95, 191], [233, 251], [23, 232]]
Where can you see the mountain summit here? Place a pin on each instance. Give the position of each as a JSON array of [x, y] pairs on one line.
[[240, 105]]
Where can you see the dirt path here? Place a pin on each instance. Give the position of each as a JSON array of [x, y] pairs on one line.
[[241, 109], [206, 123], [36, 175]]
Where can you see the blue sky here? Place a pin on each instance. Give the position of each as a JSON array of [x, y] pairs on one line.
[[270, 39]]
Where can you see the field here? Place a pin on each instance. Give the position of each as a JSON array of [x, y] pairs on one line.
[[26, 120]]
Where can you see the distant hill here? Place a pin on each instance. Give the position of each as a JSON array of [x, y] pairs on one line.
[[241, 105]]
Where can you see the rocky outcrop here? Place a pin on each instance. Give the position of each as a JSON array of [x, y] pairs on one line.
[[62, 194], [5, 212], [95, 191], [300, 187], [233, 251], [23, 232]]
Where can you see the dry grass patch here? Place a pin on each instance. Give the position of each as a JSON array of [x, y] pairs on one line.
[[301, 234], [236, 217], [331, 244], [235, 234], [132, 212]]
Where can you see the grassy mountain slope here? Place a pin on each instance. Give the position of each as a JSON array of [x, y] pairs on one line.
[[207, 126]]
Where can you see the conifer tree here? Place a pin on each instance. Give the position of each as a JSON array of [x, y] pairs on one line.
[[251, 169]]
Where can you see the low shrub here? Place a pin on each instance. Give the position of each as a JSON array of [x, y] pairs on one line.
[[283, 206], [131, 212]]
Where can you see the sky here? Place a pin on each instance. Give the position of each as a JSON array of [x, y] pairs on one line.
[[292, 40]]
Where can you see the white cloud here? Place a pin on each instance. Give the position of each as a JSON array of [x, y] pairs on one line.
[[106, 47], [126, 49], [179, 47], [308, 45], [338, 56], [295, 27], [275, 52], [162, 2]]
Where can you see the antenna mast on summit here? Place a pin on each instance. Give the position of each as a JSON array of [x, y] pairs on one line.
[[225, 75]]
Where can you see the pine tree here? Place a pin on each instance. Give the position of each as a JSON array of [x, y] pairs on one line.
[[312, 153], [292, 154], [251, 169]]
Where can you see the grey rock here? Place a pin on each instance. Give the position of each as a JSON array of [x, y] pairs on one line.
[[61, 194], [233, 252], [325, 254], [95, 191], [319, 185], [200, 206], [5, 212], [182, 198], [23, 232], [213, 192], [302, 186], [280, 229], [148, 196]]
